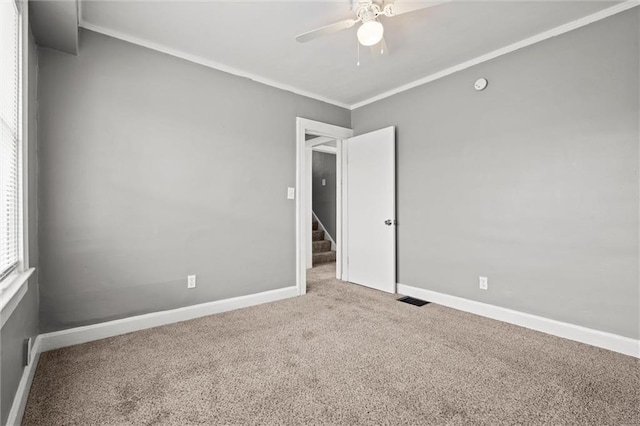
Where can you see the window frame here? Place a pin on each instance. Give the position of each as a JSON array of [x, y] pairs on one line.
[[15, 285]]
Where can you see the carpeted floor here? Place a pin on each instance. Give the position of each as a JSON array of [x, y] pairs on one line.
[[342, 354]]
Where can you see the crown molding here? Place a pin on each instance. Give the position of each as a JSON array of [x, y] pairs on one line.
[[545, 35], [578, 23], [207, 63]]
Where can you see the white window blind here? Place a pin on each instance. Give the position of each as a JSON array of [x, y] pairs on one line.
[[10, 152]]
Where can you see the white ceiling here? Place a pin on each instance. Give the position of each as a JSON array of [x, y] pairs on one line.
[[257, 38]]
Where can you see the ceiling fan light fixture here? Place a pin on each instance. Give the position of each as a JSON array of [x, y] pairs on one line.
[[370, 33]]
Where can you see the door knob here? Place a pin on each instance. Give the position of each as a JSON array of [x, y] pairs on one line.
[[388, 222]]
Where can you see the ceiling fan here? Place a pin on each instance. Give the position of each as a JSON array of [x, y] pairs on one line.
[[371, 31]]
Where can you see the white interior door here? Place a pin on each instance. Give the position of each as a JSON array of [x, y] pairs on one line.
[[371, 199]]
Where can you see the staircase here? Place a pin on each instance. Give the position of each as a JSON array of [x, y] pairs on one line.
[[322, 252]]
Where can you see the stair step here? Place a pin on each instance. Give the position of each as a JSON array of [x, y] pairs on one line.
[[323, 257], [314, 225], [317, 235], [321, 246]]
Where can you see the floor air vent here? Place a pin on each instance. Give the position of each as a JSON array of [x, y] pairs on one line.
[[413, 301]]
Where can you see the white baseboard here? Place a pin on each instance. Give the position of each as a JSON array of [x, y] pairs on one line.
[[22, 393], [75, 336], [601, 339], [78, 335]]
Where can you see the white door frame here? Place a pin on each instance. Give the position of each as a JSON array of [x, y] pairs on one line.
[[303, 188]]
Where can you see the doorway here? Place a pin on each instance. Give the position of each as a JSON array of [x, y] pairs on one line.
[[310, 134], [323, 202], [365, 233]]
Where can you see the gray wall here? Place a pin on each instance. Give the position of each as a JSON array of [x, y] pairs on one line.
[[55, 24], [533, 182], [324, 197], [153, 168], [23, 323]]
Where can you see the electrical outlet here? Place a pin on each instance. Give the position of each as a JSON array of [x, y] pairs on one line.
[[484, 283], [191, 281]]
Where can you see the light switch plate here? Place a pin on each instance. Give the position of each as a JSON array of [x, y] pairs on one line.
[[324, 182], [291, 193], [191, 281], [484, 283]]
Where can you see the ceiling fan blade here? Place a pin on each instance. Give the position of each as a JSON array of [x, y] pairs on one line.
[[326, 30], [400, 7]]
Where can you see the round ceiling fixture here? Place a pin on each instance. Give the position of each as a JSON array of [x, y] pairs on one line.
[[480, 84], [367, 12], [370, 33]]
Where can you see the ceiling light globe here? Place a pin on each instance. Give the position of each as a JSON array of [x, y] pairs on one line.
[[370, 33]]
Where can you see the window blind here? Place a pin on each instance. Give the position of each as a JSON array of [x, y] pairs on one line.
[[10, 103]]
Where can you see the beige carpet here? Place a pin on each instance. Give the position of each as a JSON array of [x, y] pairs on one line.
[[342, 354]]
